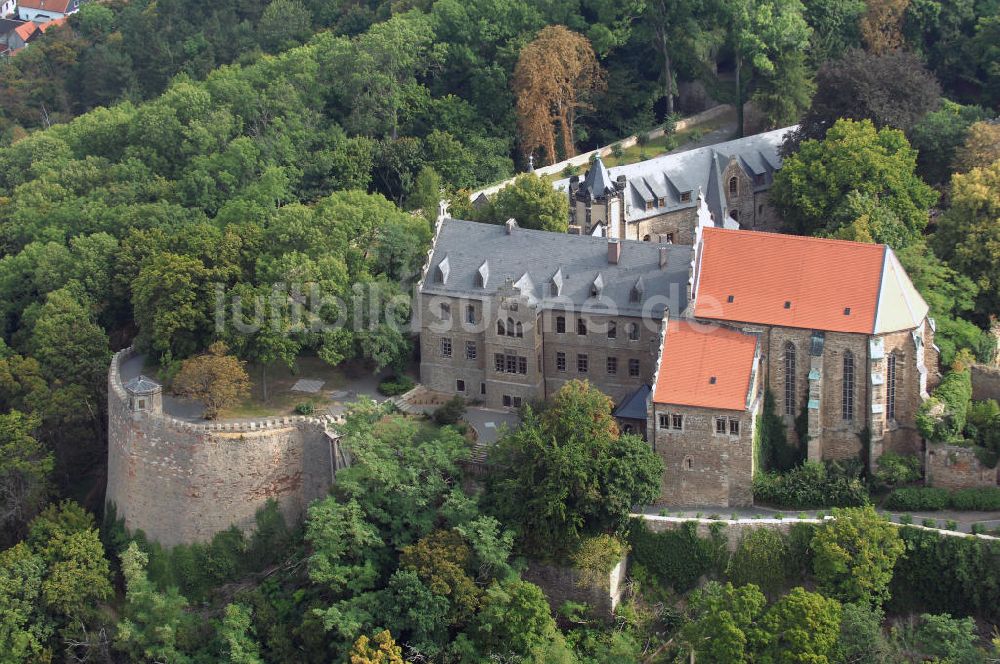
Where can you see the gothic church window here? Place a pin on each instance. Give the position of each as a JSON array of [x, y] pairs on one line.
[[848, 387], [734, 186], [789, 378], [890, 387]]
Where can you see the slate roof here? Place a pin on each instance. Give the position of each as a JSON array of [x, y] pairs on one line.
[[804, 282], [531, 259], [669, 176], [634, 406], [706, 366], [7, 25], [142, 385], [597, 181]]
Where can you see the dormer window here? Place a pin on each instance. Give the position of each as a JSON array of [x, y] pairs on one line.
[[637, 291], [597, 287], [483, 274], [649, 205], [685, 197], [760, 179], [661, 202], [443, 269], [556, 283]]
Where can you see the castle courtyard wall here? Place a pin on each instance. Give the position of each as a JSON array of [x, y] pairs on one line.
[[182, 482]]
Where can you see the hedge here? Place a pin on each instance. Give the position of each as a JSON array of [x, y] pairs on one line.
[[810, 485], [965, 573], [676, 558], [396, 385], [919, 499]]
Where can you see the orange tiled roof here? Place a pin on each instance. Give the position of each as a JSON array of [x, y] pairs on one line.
[[789, 280], [51, 24], [694, 354], [48, 5], [25, 30]]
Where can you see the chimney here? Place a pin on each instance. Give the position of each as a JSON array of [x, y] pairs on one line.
[[663, 258], [510, 225], [614, 251]]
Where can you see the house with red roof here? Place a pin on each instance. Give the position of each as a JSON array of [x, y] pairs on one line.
[[43, 11]]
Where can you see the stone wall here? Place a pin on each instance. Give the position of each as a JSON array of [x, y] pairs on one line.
[[985, 382], [182, 482], [955, 467], [702, 467], [562, 584]]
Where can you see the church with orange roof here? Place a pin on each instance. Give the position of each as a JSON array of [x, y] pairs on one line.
[[687, 339]]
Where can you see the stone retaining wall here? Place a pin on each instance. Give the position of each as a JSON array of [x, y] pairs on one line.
[[562, 584], [956, 467], [985, 382], [181, 482]]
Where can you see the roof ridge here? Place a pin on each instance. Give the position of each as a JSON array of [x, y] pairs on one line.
[[792, 236]]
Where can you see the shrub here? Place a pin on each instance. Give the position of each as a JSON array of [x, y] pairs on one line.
[[941, 419], [762, 559], [929, 523], [811, 485], [676, 558], [894, 469], [596, 557], [917, 499], [986, 499], [451, 412], [305, 408], [395, 385], [906, 519], [951, 524]]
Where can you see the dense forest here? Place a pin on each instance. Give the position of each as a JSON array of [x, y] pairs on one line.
[[158, 156]]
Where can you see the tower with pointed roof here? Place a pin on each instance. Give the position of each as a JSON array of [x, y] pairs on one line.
[[597, 203], [144, 395]]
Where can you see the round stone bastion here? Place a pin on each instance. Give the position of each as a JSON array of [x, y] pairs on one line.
[[182, 480]]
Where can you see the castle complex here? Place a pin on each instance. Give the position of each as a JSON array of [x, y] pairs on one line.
[[657, 200], [834, 329]]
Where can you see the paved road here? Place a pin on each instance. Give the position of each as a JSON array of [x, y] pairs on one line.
[[964, 520]]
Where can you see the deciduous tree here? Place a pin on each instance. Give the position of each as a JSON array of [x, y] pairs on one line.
[[882, 25], [532, 202], [800, 627], [854, 555], [981, 147], [24, 470], [554, 77], [216, 379]]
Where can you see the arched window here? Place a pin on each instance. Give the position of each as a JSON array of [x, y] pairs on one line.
[[510, 327], [890, 387], [519, 331], [646, 238], [734, 186], [789, 378], [633, 332], [848, 386], [735, 214], [501, 330], [688, 463], [612, 330]]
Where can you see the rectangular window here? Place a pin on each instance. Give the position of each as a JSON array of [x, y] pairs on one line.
[[522, 365], [633, 368], [720, 425], [561, 324], [612, 365], [498, 362], [669, 238], [506, 400], [676, 422], [685, 197], [516, 402], [470, 350], [663, 421], [734, 427], [512, 364], [482, 388], [460, 385], [560, 361], [446, 347], [612, 330], [582, 363], [581, 326], [470, 314], [445, 310]]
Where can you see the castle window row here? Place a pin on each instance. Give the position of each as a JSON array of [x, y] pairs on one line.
[[674, 421], [512, 364], [583, 365], [581, 328]]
